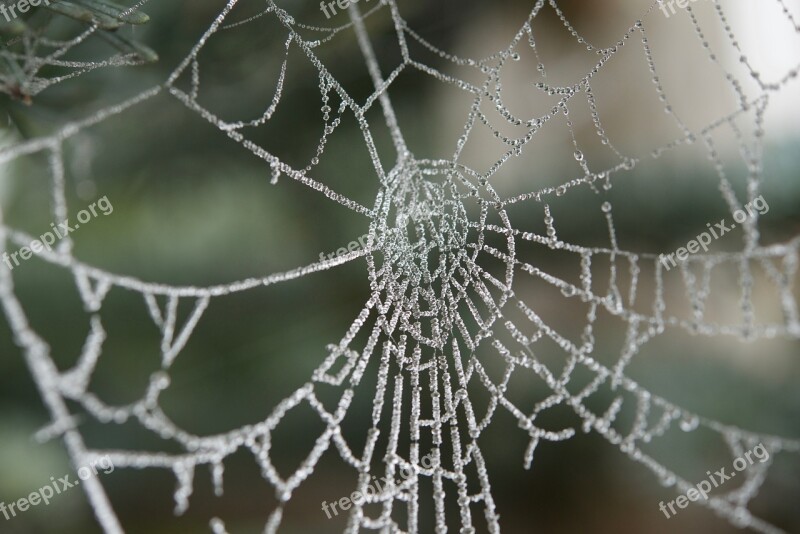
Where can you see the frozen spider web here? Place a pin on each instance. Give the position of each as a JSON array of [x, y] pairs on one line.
[[443, 264], [37, 58]]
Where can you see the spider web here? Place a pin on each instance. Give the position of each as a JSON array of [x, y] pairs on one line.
[[444, 261], [34, 50]]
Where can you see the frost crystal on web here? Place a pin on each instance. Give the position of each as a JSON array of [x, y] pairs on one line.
[[28, 47], [445, 313]]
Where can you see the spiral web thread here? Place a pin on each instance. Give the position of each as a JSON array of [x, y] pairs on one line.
[[434, 306]]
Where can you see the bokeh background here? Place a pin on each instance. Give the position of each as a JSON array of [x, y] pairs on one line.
[[193, 207]]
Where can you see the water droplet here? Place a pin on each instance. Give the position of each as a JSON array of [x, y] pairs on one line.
[[578, 155], [515, 56], [606, 207], [160, 380], [741, 518], [568, 291], [690, 423], [120, 417]]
